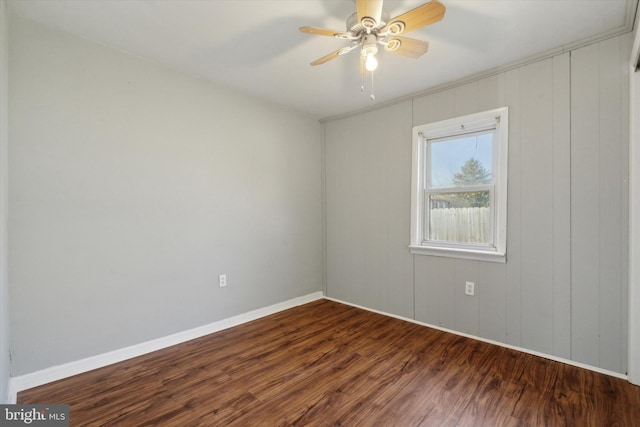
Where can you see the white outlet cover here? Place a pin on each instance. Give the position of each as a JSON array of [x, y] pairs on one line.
[[469, 288]]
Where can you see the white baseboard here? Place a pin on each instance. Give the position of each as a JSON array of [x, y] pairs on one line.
[[54, 373], [498, 343]]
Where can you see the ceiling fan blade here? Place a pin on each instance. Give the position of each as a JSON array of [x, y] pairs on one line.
[[421, 16], [407, 47], [322, 31], [370, 11], [326, 58], [333, 55]]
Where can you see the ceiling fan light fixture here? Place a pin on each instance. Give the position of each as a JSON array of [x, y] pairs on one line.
[[369, 50], [370, 25]]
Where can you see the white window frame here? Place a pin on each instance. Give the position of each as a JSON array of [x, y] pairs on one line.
[[497, 120]]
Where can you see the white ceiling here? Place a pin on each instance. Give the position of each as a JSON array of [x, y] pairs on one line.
[[255, 46]]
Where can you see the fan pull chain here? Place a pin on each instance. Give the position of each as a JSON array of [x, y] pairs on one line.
[[372, 96], [361, 73]]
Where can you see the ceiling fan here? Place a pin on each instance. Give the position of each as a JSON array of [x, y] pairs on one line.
[[370, 26]]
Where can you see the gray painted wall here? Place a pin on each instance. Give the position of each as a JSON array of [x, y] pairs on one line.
[[563, 290], [368, 261], [133, 186], [600, 203], [4, 284]]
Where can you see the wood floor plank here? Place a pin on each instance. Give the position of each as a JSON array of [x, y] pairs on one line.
[[329, 364]]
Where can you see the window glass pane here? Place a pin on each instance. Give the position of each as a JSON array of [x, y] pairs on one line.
[[461, 161], [460, 217]]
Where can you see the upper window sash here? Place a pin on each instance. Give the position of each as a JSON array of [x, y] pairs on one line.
[[489, 128]]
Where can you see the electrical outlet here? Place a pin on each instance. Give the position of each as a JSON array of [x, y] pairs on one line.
[[222, 280], [469, 288]]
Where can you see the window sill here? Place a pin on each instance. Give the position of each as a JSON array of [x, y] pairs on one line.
[[459, 253]]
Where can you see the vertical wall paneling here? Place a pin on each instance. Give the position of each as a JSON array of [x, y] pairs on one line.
[[374, 211], [634, 218], [491, 283], [585, 210], [598, 189], [610, 204], [536, 143], [368, 162], [562, 290], [514, 209], [424, 110], [465, 99], [396, 131], [343, 171], [491, 92], [491, 291], [323, 178], [467, 306], [625, 232], [447, 292], [435, 289], [427, 287], [561, 207], [445, 105]]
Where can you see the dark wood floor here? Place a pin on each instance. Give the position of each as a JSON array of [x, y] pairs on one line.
[[328, 364]]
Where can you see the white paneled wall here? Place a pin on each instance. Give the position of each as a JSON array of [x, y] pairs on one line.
[[563, 288]]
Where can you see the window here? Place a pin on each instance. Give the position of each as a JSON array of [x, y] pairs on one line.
[[459, 187]]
